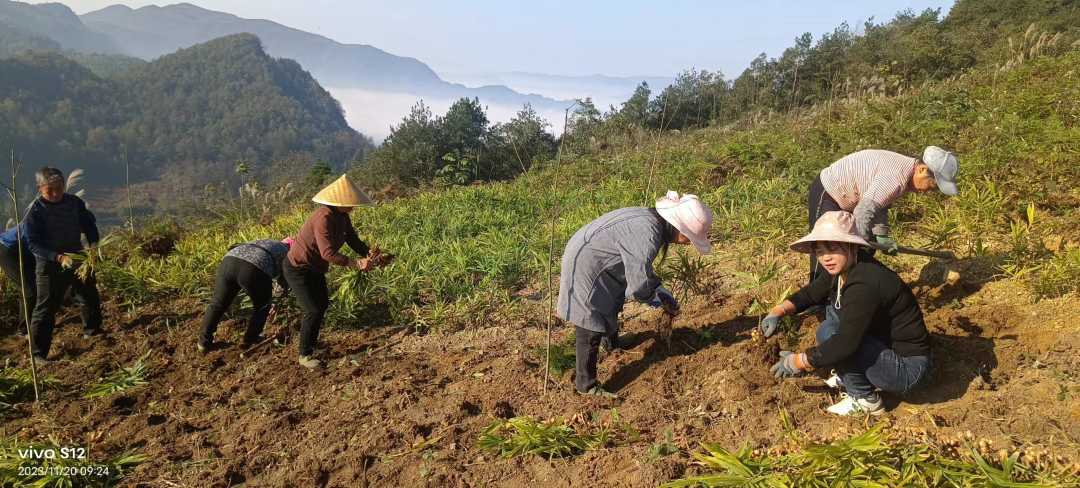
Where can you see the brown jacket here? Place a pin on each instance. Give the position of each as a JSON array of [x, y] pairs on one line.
[[317, 244]]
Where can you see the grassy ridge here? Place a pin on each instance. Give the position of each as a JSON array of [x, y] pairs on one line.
[[463, 251]]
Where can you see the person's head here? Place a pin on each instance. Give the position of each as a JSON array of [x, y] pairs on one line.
[[923, 178], [342, 195], [835, 257], [50, 184], [834, 241], [937, 169], [690, 217]]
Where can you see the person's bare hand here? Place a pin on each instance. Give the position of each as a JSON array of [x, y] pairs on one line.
[[363, 264], [65, 261]]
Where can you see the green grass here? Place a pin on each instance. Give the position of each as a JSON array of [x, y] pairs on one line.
[[1058, 275], [17, 471], [526, 436], [121, 380], [563, 356], [866, 460], [16, 386], [462, 252]]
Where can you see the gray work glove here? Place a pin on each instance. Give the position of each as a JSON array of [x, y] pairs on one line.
[[787, 366], [769, 325], [891, 247], [664, 298]]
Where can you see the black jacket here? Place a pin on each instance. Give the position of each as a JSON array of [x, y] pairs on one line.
[[57, 228], [874, 301]]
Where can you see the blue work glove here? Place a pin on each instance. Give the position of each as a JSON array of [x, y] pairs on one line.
[[663, 298], [790, 365], [890, 244], [769, 325]]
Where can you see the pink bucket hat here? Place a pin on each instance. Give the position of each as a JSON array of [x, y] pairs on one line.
[[689, 216], [835, 226]]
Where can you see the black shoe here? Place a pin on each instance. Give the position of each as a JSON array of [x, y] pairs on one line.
[[92, 333], [21, 332], [598, 391], [204, 348], [250, 344], [610, 343]]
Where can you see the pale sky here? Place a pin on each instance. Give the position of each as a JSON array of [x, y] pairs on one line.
[[611, 37]]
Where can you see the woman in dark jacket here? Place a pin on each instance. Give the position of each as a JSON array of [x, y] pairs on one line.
[[610, 260], [315, 249], [252, 267], [873, 334]]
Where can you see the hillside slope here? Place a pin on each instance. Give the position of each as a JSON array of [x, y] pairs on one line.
[[204, 107], [452, 334], [152, 31], [57, 22]]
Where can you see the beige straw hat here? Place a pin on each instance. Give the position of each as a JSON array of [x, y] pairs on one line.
[[689, 216], [342, 193], [835, 226]]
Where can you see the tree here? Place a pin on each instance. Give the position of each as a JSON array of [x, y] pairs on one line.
[[582, 127], [410, 154], [463, 128], [515, 146], [318, 175]]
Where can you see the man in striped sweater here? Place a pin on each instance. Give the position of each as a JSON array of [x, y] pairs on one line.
[[867, 182]]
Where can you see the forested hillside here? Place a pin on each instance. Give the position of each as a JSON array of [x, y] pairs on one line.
[[880, 58], [447, 368], [207, 106], [56, 22]]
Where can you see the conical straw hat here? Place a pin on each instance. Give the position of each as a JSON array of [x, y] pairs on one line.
[[342, 193]]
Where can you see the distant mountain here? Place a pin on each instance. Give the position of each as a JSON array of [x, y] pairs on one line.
[[604, 90], [55, 22], [14, 40], [203, 107], [152, 31]]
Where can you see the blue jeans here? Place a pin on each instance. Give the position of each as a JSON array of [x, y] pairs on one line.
[[873, 364]]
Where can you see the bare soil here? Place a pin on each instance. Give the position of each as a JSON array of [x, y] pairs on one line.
[[410, 414]]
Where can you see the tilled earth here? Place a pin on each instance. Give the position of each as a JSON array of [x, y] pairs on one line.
[[398, 409]]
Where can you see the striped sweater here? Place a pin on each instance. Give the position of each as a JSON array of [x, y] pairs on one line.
[[867, 182]]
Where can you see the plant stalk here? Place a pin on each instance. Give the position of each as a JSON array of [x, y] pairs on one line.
[[551, 248], [22, 275]]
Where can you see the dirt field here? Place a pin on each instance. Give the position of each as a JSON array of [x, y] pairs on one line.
[[410, 414]]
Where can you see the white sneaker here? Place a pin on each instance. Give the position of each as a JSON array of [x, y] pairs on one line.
[[834, 381], [857, 406], [310, 362]]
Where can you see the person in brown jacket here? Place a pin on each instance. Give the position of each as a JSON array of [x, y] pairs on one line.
[[315, 249]]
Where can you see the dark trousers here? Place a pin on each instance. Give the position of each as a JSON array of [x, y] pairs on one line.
[[587, 351], [874, 364], [9, 264], [233, 275], [309, 288], [818, 201], [52, 284]]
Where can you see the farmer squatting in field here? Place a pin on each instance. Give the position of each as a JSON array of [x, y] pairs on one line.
[[873, 333], [866, 183], [55, 224], [610, 260]]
